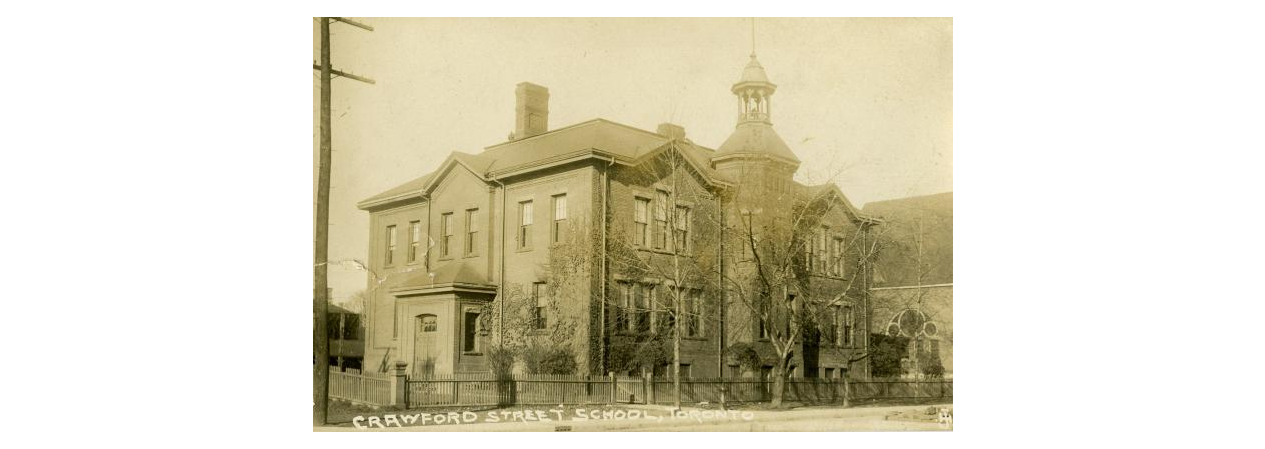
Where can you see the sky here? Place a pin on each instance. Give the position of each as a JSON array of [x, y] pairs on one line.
[[865, 103]]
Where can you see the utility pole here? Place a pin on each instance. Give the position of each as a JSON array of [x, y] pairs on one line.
[[320, 331]]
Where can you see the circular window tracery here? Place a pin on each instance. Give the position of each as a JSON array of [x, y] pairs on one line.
[[912, 323]]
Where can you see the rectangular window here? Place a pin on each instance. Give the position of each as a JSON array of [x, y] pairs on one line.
[[390, 237], [809, 259], [472, 231], [686, 371], [414, 237], [665, 313], [445, 235], [470, 343], [660, 230], [694, 314], [935, 348], [540, 313], [641, 222], [681, 233], [832, 329], [836, 256], [657, 310], [641, 308], [624, 307], [351, 327], [559, 225], [847, 325], [830, 373], [524, 224], [747, 234], [822, 255]]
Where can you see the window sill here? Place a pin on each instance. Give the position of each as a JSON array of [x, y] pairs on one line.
[[634, 334], [444, 258], [470, 256], [476, 353], [523, 249], [662, 251]]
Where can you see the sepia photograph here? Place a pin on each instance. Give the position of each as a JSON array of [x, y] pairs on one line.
[[633, 224]]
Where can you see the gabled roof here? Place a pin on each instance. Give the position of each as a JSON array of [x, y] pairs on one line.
[[701, 156], [696, 156], [939, 203], [832, 190], [475, 164], [409, 189], [608, 137], [597, 137]]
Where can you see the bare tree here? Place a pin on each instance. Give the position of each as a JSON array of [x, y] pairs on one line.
[[358, 302], [668, 263], [791, 276]]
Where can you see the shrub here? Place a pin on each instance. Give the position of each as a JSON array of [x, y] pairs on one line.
[[930, 365], [885, 354], [501, 361], [745, 355], [549, 361], [634, 355]]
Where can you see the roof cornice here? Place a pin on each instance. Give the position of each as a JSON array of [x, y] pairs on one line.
[[450, 287]]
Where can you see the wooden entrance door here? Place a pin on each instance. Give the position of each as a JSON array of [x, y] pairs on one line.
[[424, 344]]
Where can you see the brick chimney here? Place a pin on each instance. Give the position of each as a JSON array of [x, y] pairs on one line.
[[531, 110], [671, 131]]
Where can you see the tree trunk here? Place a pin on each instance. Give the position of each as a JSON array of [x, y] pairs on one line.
[[846, 372], [779, 382], [676, 355]]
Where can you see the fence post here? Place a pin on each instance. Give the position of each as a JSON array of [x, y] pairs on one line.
[[652, 393], [399, 386], [614, 389], [456, 390]]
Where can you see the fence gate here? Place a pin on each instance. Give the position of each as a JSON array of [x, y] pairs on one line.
[[630, 390]]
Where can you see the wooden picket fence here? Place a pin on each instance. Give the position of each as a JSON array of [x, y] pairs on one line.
[[541, 389], [523, 389], [696, 390], [360, 389]]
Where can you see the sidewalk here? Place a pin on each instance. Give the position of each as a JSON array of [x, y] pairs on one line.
[[659, 418]]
